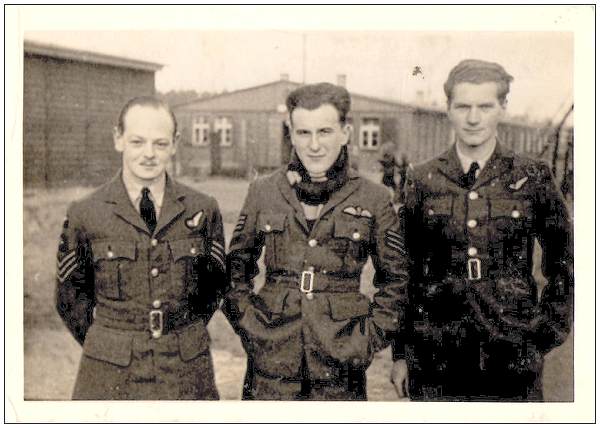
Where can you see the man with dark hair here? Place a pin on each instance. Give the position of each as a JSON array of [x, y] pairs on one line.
[[476, 329], [309, 332], [141, 270]]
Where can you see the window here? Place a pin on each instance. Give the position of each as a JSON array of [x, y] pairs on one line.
[[201, 130], [370, 131], [224, 128]]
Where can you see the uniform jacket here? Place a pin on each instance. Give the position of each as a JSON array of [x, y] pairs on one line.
[[472, 263], [334, 326], [112, 272]]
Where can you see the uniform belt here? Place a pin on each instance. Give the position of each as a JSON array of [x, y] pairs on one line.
[[158, 321], [316, 282]]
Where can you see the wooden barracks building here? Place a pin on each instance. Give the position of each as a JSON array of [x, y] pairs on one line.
[[249, 132], [71, 101]]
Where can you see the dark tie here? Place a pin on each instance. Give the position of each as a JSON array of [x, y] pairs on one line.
[[147, 210], [470, 177]]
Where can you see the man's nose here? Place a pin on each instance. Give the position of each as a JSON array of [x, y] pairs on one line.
[[149, 150], [473, 117], [314, 142]]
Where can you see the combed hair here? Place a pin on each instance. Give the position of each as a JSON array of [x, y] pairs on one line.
[[478, 71], [144, 101], [313, 96]]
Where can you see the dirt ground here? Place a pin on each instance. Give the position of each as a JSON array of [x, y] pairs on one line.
[[52, 355]]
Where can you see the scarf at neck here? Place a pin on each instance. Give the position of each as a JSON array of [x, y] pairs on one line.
[[318, 192]]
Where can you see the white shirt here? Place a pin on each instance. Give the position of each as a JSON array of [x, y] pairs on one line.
[[157, 193], [466, 161]]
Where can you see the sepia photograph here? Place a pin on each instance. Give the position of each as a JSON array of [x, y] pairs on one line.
[[287, 212]]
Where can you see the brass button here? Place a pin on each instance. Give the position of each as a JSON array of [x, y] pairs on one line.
[[473, 195], [154, 272], [472, 223], [310, 296], [515, 214], [193, 250], [472, 251], [156, 334], [356, 236], [110, 254], [268, 227], [312, 243], [430, 211], [156, 304], [154, 242]]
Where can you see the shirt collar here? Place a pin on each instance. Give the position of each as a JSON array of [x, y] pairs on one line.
[[466, 161], [134, 190]]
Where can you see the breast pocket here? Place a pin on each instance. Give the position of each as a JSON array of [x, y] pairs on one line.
[[350, 241], [111, 260], [187, 255], [510, 215], [272, 226], [437, 211]]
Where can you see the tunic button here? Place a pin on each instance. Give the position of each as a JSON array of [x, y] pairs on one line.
[[473, 195], [154, 272], [430, 211], [268, 227], [515, 214], [156, 304], [312, 243], [193, 250], [154, 242], [472, 251], [472, 223], [310, 296], [356, 236], [110, 254]]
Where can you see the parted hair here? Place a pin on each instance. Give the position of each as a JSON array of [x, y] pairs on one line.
[[313, 96], [144, 101], [478, 71]]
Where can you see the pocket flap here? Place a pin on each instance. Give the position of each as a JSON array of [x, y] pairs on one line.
[[438, 206], [105, 344], [354, 230], [346, 306], [110, 250], [193, 340], [514, 208], [271, 300], [271, 222], [189, 247]]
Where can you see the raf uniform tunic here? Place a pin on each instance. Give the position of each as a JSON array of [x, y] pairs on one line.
[[139, 302], [477, 329], [310, 319]]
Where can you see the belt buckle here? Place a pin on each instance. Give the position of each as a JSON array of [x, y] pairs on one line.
[[474, 268], [156, 320], [307, 274]]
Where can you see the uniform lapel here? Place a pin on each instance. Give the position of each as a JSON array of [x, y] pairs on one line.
[[450, 167], [116, 194], [172, 206], [498, 164], [342, 194], [290, 196]]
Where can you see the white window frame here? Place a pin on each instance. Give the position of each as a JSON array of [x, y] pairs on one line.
[[222, 125], [369, 127], [201, 127]]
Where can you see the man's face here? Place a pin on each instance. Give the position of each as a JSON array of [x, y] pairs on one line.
[[147, 142], [318, 137], [474, 112]]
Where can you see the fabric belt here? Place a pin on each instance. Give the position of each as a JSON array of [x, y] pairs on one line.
[[315, 282], [158, 321]]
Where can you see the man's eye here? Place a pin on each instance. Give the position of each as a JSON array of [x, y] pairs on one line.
[[302, 132], [136, 142], [162, 144], [326, 131]]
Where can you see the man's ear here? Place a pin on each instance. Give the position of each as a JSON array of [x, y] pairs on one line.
[[347, 129], [118, 140], [176, 139]]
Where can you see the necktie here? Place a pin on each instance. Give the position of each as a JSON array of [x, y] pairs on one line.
[[147, 210], [470, 177]]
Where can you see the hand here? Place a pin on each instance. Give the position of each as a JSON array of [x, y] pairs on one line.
[[399, 378]]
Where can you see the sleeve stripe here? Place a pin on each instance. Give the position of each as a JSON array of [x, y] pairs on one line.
[[218, 259], [395, 246], [66, 275], [66, 267], [393, 234], [63, 261], [218, 245], [395, 240], [218, 250]]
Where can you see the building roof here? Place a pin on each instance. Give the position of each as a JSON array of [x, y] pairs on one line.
[[54, 51], [267, 97]]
